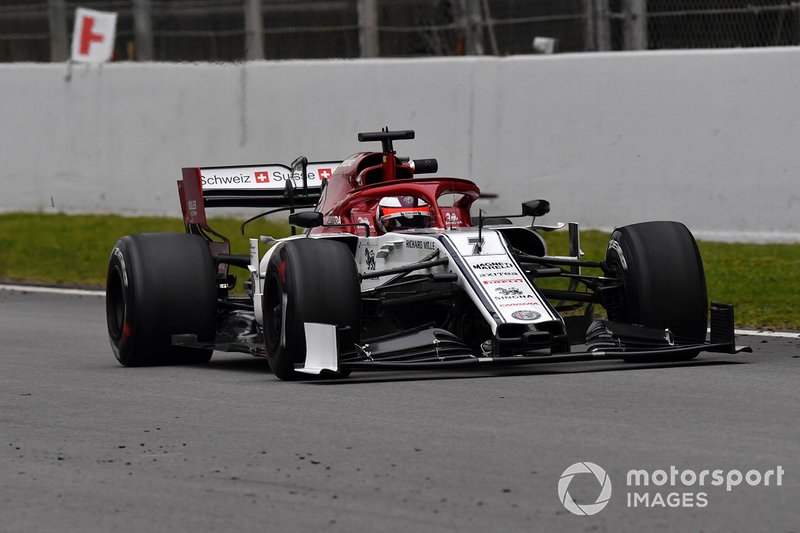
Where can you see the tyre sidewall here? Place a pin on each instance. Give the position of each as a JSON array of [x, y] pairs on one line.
[[121, 285], [318, 281], [169, 287], [663, 278]]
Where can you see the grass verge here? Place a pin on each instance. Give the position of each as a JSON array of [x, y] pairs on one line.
[[73, 249], [761, 280]]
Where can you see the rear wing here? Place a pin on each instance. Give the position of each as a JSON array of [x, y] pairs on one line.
[[267, 185]]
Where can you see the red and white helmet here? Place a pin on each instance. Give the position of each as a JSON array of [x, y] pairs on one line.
[[397, 213]]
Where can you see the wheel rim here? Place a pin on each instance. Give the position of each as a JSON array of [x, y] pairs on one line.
[[614, 269], [116, 304], [273, 312]]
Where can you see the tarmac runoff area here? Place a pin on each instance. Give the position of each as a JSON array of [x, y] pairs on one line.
[[87, 445]]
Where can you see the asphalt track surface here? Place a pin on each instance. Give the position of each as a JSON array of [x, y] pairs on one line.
[[87, 445]]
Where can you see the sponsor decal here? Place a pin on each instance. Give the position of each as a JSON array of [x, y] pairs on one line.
[[451, 219], [421, 245], [369, 255], [263, 176], [492, 265], [526, 314], [529, 303], [118, 253], [235, 179], [614, 245], [500, 281], [513, 291], [408, 201], [333, 219], [497, 274]]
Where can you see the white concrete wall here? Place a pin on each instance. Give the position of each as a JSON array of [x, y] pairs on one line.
[[709, 138]]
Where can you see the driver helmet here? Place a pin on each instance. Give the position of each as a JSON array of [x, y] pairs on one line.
[[396, 213]]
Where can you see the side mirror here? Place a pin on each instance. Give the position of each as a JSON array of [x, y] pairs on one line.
[[535, 208], [306, 219]]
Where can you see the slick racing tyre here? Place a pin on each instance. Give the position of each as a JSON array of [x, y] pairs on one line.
[[308, 280], [160, 284], [663, 282]]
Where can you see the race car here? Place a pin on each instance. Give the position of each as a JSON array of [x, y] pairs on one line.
[[393, 270]]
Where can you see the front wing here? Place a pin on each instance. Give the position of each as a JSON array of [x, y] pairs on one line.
[[430, 349]]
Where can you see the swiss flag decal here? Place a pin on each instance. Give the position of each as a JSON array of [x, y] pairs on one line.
[[324, 173], [262, 177]]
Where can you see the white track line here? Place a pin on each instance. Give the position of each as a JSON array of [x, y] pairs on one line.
[[84, 292], [51, 290], [762, 333]]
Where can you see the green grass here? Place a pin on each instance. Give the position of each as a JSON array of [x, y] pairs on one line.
[[762, 281], [73, 249]]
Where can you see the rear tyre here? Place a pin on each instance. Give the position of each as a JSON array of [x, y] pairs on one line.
[[308, 280], [663, 281], [160, 284]]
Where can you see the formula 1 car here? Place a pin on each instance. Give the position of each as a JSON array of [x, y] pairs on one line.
[[393, 271]]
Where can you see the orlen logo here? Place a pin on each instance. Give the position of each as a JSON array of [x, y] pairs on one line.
[[589, 508]]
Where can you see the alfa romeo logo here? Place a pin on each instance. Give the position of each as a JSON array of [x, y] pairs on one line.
[[526, 314], [589, 508]]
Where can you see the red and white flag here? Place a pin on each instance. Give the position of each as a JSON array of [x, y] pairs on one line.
[[93, 36]]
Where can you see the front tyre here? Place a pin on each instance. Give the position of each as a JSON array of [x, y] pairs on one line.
[[663, 282], [160, 284], [308, 280]]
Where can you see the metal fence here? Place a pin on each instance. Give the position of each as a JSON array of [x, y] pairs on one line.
[[230, 30], [723, 23]]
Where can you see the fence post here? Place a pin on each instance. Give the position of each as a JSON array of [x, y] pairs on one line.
[[253, 30], [589, 43], [602, 25], [143, 29], [57, 19], [635, 24], [468, 15], [368, 37]]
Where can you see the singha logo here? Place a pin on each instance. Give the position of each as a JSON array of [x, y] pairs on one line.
[[370, 256], [509, 292]]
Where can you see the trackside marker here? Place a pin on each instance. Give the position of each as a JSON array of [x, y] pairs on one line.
[[93, 36], [88, 36]]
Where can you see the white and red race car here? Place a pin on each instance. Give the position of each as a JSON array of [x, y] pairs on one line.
[[393, 271]]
